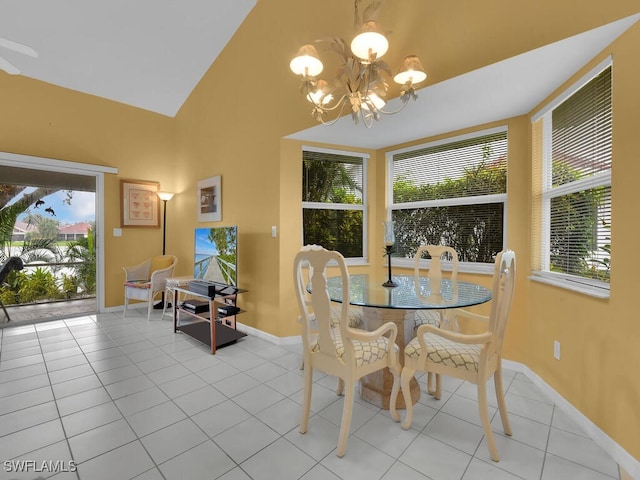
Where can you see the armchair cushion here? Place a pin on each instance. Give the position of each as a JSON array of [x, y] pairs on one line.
[[441, 350], [160, 263], [366, 352]]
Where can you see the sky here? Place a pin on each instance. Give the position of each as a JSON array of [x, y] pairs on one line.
[[82, 208]]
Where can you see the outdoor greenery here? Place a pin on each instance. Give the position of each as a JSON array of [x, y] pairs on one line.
[[474, 230], [328, 181], [42, 282]]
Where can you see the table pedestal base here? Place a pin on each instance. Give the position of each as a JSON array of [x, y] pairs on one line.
[[376, 387]]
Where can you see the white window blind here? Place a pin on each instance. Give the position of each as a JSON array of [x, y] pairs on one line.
[[573, 233], [451, 193], [333, 201]]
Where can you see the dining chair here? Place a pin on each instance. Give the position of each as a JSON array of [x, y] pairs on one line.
[[337, 349], [474, 358], [439, 318], [144, 281]]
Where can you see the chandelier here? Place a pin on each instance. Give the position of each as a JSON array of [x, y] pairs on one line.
[[359, 84]]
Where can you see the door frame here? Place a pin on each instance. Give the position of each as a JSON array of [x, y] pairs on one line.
[[96, 171]]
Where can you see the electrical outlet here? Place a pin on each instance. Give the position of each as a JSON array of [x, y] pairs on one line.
[[556, 350]]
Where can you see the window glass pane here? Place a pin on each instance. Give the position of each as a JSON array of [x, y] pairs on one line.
[[580, 233], [334, 229], [581, 134], [331, 178], [476, 166], [474, 231]]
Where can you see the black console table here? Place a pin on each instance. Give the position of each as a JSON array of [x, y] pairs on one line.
[[208, 317]]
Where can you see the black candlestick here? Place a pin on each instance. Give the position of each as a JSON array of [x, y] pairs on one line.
[[389, 282]]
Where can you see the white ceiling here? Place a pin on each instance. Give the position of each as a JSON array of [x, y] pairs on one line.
[[503, 90], [145, 53], [151, 54]]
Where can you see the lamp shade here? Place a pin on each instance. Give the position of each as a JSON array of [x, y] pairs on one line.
[[411, 71], [370, 43], [321, 95], [166, 196], [306, 62]]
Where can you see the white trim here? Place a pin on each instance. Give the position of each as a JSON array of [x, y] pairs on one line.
[[455, 201], [293, 340], [41, 163], [333, 206], [607, 62], [463, 267], [573, 283], [96, 171], [599, 179], [604, 441]]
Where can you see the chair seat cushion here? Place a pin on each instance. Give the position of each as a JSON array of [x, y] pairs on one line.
[[138, 284], [441, 350], [366, 352], [355, 316]]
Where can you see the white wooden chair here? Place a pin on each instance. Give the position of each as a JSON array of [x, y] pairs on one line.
[[144, 281], [337, 349], [474, 358], [439, 318]]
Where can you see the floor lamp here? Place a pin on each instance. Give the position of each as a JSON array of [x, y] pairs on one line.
[[165, 197]]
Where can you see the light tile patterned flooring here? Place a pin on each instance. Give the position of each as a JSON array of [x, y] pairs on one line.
[[128, 398]]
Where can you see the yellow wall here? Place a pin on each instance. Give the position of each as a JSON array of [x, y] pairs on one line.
[[233, 124], [43, 120]]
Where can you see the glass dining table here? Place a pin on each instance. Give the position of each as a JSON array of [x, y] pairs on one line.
[[399, 305]]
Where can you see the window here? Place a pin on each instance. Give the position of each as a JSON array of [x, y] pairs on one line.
[[572, 186], [333, 201], [451, 192]]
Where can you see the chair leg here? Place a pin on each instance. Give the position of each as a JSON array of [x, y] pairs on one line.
[[438, 392], [502, 406], [395, 389], [126, 304], [149, 309], [306, 402], [486, 424], [340, 386], [405, 378], [347, 411], [431, 389]]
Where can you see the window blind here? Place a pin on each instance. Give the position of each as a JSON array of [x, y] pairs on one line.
[[574, 207]]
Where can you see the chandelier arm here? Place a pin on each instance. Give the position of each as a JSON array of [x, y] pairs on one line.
[[339, 116]]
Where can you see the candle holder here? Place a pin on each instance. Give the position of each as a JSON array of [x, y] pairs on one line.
[[389, 282], [389, 240]]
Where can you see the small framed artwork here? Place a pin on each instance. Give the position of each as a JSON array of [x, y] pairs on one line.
[[209, 199], [140, 204]]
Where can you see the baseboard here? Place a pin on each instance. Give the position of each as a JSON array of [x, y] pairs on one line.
[[293, 340], [624, 459]]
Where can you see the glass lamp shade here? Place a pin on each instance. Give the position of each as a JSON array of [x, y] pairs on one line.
[[411, 71], [375, 100], [370, 43], [306, 62], [165, 195], [321, 95], [389, 236]]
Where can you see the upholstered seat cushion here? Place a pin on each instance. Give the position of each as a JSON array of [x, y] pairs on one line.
[[441, 350], [160, 263], [366, 352], [138, 284], [355, 316]]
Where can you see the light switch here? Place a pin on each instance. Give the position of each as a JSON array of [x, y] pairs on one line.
[[117, 232], [274, 231]]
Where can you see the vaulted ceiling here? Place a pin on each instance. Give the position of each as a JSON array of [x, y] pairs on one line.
[[151, 54]]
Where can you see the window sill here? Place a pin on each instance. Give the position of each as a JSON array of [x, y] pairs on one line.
[[589, 290]]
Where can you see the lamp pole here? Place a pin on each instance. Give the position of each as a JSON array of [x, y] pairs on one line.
[[165, 197]]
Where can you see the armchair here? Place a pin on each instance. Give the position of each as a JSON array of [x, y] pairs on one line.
[[143, 282]]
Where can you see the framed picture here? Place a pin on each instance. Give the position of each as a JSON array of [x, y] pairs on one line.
[[209, 200], [140, 204]]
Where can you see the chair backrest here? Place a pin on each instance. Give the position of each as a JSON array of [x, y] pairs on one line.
[[317, 304], [434, 274], [504, 277]]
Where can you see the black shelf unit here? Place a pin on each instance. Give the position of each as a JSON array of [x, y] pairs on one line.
[[222, 330]]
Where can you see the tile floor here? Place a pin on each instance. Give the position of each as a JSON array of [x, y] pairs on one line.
[[128, 398]]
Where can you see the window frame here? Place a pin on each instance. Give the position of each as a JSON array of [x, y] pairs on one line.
[[585, 285], [464, 267], [364, 207]]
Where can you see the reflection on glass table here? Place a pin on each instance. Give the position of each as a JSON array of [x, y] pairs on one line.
[[399, 305]]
